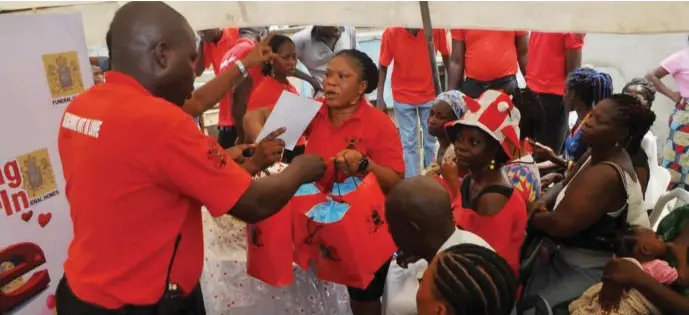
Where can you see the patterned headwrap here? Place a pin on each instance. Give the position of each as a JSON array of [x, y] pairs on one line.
[[456, 101]]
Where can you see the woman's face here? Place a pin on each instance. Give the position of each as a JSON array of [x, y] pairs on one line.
[[441, 114], [600, 130], [427, 302], [285, 59], [649, 243], [474, 147], [342, 84]]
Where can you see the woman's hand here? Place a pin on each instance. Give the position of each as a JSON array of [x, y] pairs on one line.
[[236, 152], [261, 53], [268, 151], [541, 150], [623, 272], [348, 161], [448, 169], [609, 296]]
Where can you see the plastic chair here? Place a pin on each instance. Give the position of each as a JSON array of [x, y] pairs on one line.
[[666, 203], [536, 303], [659, 179]]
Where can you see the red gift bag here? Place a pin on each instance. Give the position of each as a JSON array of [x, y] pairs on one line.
[[351, 250], [269, 249], [301, 237]]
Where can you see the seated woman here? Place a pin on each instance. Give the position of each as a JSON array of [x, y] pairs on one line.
[[268, 91], [670, 300], [645, 92], [486, 138], [359, 140], [521, 171], [584, 88], [449, 106], [593, 205], [467, 279]]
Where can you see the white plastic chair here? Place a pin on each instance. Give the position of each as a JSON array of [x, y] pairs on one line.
[[666, 203]]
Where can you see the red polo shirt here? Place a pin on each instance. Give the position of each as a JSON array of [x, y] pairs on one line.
[[489, 54], [241, 49], [137, 170], [372, 131], [214, 52], [267, 93], [412, 77], [546, 69]]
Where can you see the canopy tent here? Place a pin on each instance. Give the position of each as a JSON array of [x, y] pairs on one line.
[[591, 17]]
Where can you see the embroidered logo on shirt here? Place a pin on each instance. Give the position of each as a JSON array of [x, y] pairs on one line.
[[216, 154], [63, 75]]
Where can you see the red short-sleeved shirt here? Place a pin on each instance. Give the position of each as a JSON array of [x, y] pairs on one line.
[[369, 129], [214, 52], [412, 77], [241, 49], [546, 69], [489, 54], [267, 93], [137, 171]]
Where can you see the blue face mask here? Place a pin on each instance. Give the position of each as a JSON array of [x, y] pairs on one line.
[[307, 190], [328, 212], [346, 187]]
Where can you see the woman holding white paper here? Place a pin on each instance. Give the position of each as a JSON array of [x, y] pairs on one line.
[[267, 93], [357, 138]]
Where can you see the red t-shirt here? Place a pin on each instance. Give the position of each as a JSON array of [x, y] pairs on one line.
[[510, 222], [267, 93], [241, 49], [137, 170], [489, 54], [371, 131], [412, 77], [214, 52], [546, 69]]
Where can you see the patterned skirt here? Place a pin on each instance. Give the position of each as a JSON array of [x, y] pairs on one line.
[[676, 150]]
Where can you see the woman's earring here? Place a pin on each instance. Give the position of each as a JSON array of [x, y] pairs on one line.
[[492, 164]]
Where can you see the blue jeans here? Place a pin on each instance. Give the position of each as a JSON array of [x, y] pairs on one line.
[[407, 119]]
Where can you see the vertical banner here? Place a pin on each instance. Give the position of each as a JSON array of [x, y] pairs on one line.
[[43, 65]]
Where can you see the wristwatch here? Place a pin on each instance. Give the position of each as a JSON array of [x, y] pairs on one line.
[[242, 69], [363, 165]]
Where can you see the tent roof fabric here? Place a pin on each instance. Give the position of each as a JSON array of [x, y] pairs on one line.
[[556, 16]]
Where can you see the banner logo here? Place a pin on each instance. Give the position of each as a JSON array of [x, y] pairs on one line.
[[64, 76]]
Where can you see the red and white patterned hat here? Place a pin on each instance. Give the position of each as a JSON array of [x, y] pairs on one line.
[[494, 113]]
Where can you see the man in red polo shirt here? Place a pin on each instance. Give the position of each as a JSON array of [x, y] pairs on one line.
[[412, 86], [486, 60], [138, 170], [213, 46], [233, 105], [552, 56]]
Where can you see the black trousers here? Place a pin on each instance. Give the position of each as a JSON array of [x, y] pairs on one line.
[[227, 136], [474, 88], [554, 129], [70, 304], [375, 289]]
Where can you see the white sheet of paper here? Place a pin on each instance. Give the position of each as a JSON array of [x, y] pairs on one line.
[[294, 112]]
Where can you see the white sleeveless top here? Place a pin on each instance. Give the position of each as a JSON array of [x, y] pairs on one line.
[[636, 215]]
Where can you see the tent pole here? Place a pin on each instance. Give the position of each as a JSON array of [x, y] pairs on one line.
[[428, 30]]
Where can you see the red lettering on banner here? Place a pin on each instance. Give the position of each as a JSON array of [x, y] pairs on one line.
[[10, 180]]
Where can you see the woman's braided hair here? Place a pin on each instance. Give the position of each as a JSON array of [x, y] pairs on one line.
[[635, 117], [649, 90], [590, 85], [474, 280]]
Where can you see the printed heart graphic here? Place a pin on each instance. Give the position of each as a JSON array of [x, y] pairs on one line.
[[44, 219], [26, 216]]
